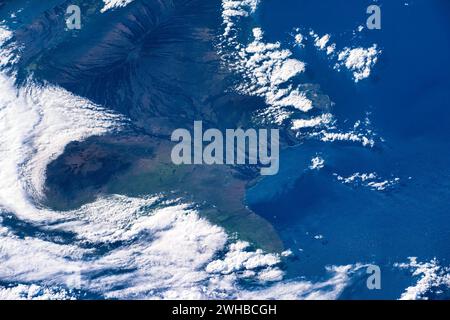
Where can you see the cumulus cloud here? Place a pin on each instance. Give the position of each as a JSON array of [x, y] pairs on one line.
[[327, 290], [112, 4], [298, 39], [317, 163], [267, 70], [239, 259], [314, 122], [370, 180], [321, 42], [433, 278], [359, 61], [8, 49], [233, 10], [327, 136], [33, 292]]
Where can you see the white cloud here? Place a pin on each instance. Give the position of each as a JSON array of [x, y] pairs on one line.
[[315, 122], [359, 60], [317, 163], [233, 10], [370, 180], [239, 259], [37, 123], [267, 70], [298, 38], [433, 278], [321, 42], [346, 136], [33, 292], [112, 4], [270, 275], [331, 48], [8, 54], [327, 290]]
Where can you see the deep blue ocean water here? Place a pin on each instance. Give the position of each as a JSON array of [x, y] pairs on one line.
[[408, 97]]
